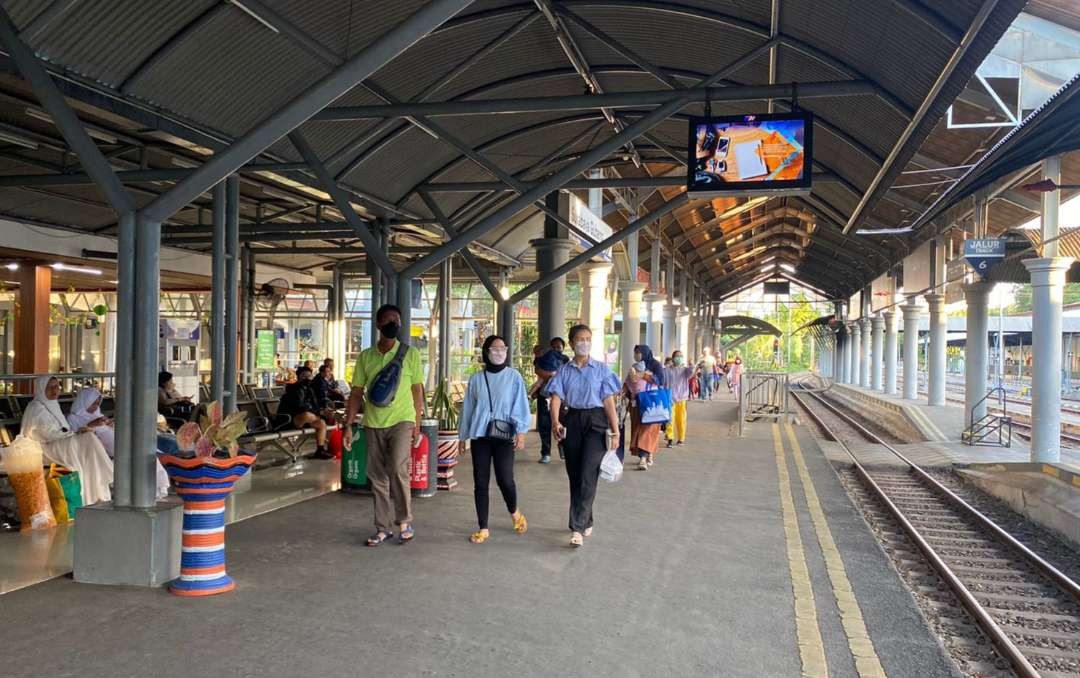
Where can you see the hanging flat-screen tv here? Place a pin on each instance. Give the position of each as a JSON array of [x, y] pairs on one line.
[[750, 154]]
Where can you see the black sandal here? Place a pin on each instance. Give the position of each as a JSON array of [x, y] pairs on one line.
[[379, 537], [406, 535]]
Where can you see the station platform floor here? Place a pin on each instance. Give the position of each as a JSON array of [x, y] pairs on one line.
[[28, 558], [730, 557]]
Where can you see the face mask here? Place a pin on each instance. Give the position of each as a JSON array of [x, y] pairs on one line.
[[497, 356], [582, 348], [679, 360], [390, 330]]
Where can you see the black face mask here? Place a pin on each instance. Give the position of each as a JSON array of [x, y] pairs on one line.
[[390, 330]]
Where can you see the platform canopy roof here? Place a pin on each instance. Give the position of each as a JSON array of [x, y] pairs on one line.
[[497, 100]]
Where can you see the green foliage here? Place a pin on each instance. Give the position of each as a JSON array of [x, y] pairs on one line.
[[1022, 302], [443, 408], [758, 353]]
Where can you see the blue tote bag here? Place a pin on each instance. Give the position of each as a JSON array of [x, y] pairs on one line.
[[655, 406]]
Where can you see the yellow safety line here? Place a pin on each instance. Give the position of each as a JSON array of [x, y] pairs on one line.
[[862, 648], [811, 647]]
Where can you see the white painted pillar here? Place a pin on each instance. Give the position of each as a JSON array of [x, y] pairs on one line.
[[631, 322], [891, 339], [856, 350], [935, 386], [669, 329], [594, 280], [877, 328], [864, 355], [654, 305], [911, 311], [683, 333], [1047, 289], [977, 296]]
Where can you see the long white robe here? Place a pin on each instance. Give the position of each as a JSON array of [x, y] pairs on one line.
[[80, 416], [44, 422]]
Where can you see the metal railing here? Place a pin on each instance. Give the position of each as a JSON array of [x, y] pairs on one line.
[[69, 381], [763, 395], [990, 423]]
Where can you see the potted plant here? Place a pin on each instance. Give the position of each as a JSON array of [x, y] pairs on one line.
[[205, 470], [447, 413]]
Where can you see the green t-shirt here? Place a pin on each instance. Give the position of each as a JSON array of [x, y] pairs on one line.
[[368, 364]]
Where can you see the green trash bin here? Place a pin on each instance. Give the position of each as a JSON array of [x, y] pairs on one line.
[[354, 463]]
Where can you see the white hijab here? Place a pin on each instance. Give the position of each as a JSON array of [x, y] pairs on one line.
[[43, 419], [79, 416]]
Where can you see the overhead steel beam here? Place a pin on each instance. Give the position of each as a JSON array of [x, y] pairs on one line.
[[615, 238], [581, 65], [97, 166], [301, 108], [132, 176], [573, 169], [343, 204], [262, 237], [585, 102], [620, 48], [917, 120], [388, 125], [475, 265]]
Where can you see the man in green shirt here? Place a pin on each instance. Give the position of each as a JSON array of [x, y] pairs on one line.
[[391, 430]]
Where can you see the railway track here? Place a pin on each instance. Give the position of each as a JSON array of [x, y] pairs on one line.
[[1027, 609]]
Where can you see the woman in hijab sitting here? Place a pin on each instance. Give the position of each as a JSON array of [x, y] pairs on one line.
[[644, 438], [86, 413], [77, 449]]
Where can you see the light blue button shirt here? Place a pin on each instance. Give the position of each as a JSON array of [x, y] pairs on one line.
[[584, 387], [508, 402]]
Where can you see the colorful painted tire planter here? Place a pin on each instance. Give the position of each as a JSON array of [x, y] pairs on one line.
[[203, 484]]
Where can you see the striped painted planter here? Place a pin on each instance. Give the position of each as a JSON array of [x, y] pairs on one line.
[[203, 484]]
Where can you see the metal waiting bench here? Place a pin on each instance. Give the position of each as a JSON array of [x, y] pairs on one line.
[[267, 427]]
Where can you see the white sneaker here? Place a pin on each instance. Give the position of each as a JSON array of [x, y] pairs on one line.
[[643, 465]]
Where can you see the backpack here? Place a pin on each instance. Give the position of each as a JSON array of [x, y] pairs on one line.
[[384, 388]]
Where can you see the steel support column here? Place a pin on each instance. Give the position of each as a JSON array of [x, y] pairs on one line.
[[551, 255], [217, 297], [232, 266], [249, 314], [446, 283], [145, 360]]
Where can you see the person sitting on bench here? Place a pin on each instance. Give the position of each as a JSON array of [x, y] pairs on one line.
[[306, 409]]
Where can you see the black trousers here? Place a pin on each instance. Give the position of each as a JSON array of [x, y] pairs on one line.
[[585, 446], [485, 453], [543, 425]]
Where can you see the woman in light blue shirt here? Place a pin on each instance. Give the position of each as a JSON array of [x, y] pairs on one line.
[[495, 394]]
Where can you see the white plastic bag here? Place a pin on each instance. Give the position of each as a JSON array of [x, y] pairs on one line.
[[610, 467]]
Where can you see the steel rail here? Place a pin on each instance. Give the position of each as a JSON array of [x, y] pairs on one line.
[[997, 636]]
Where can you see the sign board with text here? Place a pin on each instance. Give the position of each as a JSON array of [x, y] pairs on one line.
[[589, 224], [265, 349], [982, 254]]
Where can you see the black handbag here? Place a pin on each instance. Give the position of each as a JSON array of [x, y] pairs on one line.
[[497, 429]]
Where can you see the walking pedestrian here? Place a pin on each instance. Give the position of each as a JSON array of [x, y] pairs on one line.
[[545, 365], [588, 388], [644, 438], [391, 422], [495, 416], [678, 380]]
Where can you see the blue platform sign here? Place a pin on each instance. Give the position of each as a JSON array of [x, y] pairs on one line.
[[983, 253]]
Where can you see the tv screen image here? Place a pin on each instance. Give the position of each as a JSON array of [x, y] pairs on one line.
[[746, 154]]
